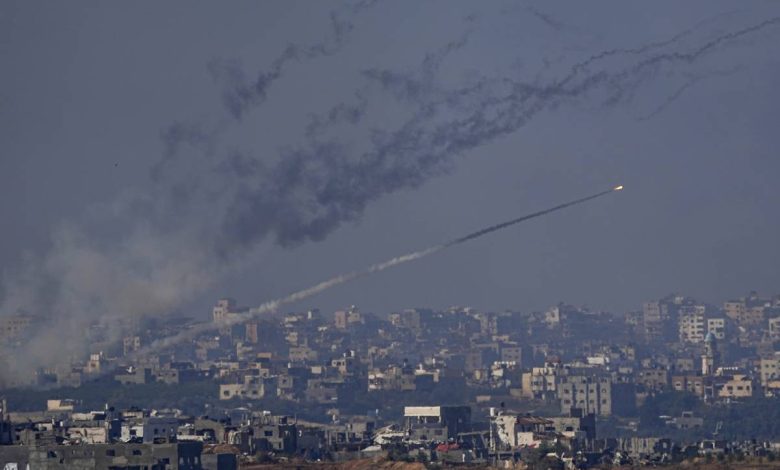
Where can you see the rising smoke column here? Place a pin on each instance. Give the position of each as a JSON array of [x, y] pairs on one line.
[[210, 204]]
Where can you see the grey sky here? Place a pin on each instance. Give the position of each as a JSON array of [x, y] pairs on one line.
[[87, 88]]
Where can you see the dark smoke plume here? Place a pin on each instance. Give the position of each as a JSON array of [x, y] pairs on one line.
[[211, 205], [318, 186], [240, 94]]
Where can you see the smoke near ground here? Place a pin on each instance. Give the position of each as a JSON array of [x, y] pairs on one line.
[[212, 203]]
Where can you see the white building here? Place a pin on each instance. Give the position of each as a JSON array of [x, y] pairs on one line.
[[692, 324], [150, 428]]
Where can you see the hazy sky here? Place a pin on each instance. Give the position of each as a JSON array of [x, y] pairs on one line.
[[88, 88]]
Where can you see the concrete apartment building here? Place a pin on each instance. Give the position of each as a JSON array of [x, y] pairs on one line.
[[253, 387], [774, 328], [659, 319], [343, 319], [689, 383], [692, 324], [653, 378], [589, 394], [543, 382], [12, 326], [769, 369], [748, 311], [440, 421]]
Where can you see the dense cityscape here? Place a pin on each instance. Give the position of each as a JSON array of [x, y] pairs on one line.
[[392, 235], [565, 388]]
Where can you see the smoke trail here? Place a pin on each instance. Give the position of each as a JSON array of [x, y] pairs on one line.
[[327, 181], [688, 84], [239, 95], [149, 252], [273, 305], [509, 223]]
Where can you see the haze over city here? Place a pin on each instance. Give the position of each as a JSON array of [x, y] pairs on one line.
[[155, 158]]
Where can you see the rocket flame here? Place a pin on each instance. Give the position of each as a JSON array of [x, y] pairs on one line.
[[618, 188]]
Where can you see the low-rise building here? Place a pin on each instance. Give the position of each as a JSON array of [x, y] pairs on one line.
[[253, 387], [653, 378], [739, 386], [437, 422]]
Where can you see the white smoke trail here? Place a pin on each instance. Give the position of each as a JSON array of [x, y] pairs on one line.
[[273, 305]]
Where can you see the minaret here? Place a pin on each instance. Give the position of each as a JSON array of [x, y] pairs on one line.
[[710, 359]]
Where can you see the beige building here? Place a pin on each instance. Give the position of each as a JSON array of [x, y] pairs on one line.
[[95, 363], [747, 311], [589, 394], [407, 319], [60, 405], [652, 320], [345, 318], [226, 311], [769, 368], [222, 310], [302, 354], [735, 309], [692, 324], [653, 378], [774, 328], [740, 386], [392, 378], [542, 381], [689, 383]]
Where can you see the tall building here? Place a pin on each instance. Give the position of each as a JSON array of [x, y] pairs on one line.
[[590, 394], [710, 358], [774, 328], [692, 324], [652, 320], [250, 332], [5, 426], [223, 309], [659, 318], [596, 395], [769, 368], [15, 326]]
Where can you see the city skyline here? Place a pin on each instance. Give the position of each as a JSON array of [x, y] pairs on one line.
[[367, 234]]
